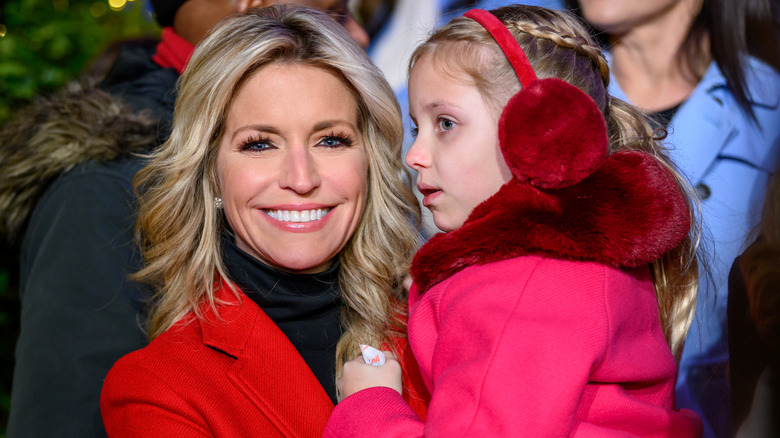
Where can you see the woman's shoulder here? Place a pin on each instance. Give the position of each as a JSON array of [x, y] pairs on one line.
[[761, 80], [176, 351]]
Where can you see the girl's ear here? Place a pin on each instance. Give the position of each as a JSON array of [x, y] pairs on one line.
[[552, 134]]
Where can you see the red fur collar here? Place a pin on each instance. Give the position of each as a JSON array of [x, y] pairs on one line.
[[567, 200]]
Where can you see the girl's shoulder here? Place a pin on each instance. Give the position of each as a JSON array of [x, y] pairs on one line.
[[550, 277]]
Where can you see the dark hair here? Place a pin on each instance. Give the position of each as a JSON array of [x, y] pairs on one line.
[[165, 10], [761, 270], [732, 29]]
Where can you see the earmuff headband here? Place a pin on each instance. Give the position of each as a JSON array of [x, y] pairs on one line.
[[507, 42]]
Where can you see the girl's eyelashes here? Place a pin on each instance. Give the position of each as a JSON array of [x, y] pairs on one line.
[[256, 143], [337, 140]]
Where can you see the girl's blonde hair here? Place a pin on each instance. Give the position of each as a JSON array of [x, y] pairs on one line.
[[179, 226], [558, 45]]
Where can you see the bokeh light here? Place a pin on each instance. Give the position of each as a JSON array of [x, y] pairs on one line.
[[117, 5], [97, 9], [2, 30]]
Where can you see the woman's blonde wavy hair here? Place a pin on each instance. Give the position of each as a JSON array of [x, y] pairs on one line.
[[179, 226], [558, 45]]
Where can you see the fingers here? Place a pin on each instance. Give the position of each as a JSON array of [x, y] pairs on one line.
[[358, 375], [408, 283]]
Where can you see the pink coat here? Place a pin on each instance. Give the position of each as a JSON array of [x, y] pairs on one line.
[[538, 316], [532, 346]]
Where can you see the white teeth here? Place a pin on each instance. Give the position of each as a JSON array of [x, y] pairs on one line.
[[298, 216]]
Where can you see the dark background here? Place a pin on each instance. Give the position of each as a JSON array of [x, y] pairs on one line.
[[43, 45]]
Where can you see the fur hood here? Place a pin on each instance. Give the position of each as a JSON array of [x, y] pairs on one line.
[[52, 135], [567, 199]]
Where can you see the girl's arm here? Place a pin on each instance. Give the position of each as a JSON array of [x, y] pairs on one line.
[[511, 353]]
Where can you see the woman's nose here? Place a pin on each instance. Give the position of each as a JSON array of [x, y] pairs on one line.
[[300, 172]]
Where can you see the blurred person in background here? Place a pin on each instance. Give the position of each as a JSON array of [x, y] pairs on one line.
[[754, 327]]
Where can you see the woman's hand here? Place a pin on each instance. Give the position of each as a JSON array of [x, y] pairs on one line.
[[358, 375]]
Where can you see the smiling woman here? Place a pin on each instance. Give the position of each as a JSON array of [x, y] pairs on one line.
[[277, 225], [279, 161]]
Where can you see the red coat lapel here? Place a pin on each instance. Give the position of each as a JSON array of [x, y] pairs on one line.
[[268, 369]]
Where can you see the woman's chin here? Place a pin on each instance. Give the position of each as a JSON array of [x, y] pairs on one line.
[[303, 266]]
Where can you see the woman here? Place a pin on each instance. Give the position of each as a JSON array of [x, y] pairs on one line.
[[710, 72], [276, 225]]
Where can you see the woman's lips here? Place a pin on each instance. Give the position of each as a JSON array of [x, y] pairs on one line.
[[298, 220]]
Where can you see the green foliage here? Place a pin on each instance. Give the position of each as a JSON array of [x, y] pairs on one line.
[[48, 42]]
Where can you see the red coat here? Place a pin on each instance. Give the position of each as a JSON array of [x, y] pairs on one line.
[[235, 377]]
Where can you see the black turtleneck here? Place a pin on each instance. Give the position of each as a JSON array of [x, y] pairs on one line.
[[306, 307], [665, 116]]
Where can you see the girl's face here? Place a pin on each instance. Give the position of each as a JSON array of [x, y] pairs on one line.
[[292, 167], [456, 152]]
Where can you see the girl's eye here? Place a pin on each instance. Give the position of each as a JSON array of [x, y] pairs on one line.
[[336, 141], [445, 124], [414, 131]]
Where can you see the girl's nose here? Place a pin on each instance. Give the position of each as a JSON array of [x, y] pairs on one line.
[[418, 156]]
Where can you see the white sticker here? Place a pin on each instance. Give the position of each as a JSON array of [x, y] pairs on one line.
[[372, 356]]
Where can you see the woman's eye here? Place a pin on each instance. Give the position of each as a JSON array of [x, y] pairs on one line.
[[445, 124], [330, 142], [335, 141], [255, 145]]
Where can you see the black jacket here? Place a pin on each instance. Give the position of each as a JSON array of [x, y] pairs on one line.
[[73, 158]]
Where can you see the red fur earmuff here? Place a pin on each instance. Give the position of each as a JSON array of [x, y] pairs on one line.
[[551, 133], [567, 199]]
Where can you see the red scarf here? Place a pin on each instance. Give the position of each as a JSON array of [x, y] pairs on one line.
[[173, 51]]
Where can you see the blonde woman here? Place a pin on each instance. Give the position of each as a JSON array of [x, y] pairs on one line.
[[276, 225]]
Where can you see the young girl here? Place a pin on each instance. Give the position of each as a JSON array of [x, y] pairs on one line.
[[566, 270]]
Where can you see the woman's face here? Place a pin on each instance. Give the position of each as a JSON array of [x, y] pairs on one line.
[[616, 17], [292, 167]]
